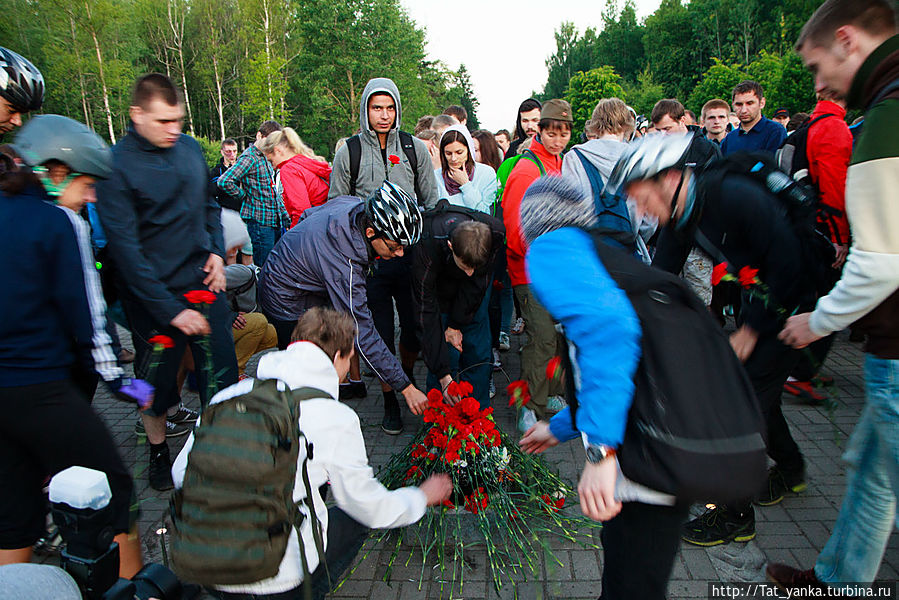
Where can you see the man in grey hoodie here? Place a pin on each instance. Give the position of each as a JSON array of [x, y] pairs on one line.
[[382, 152]]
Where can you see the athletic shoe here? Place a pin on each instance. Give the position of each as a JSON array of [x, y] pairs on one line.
[[804, 390], [719, 526], [492, 388], [778, 484], [555, 404], [160, 471], [172, 430], [518, 326], [526, 419], [504, 344], [392, 424], [791, 580], [497, 363], [353, 389], [184, 416]]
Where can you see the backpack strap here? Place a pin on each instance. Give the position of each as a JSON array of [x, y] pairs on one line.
[[529, 154], [354, 146], [706, 245], [889, 89], [596, 183], [408, 145]]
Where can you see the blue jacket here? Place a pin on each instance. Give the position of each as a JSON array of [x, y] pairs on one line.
[[601, 326], [46, 325], [765, 136], [478, 194], [322, 261]]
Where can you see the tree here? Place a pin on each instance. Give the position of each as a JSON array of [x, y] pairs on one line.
[[644, 94], [466, 96], [573, 53], [669, 52], [717, 82], [620, 43], [586, 89]]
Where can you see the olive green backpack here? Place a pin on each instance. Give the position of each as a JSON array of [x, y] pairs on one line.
[[233, 515]]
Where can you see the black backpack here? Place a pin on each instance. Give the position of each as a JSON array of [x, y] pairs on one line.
[[354, 146], [694, 429], [792, 158], [799, 201]]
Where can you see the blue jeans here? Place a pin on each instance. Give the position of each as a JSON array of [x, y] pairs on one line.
[[475, 363], [859, 538], [263, 238]]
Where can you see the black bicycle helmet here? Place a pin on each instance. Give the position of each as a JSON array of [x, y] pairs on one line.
[[20, 81], [394, 214], [54, 137]]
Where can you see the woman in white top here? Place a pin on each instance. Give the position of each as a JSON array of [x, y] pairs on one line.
[[460, 179]]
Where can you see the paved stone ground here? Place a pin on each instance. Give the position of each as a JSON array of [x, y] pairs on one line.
[[792, 532]]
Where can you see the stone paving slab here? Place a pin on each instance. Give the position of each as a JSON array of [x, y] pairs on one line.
[[793, 531]]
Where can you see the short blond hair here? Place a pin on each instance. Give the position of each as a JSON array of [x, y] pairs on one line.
[[288, 138], [611, 115]]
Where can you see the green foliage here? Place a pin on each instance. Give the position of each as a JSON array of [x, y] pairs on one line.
[[717, 82], [669, 50], [211, 150], [644, 94], [586, 89]]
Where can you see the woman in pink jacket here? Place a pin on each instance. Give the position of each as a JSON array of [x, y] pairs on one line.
[[304, 177]]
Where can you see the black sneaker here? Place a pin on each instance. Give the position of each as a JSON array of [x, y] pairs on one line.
[[779, 483], [160, 471], [719, 526], [172, 430], [184, 416], [392, 423], [354, 389]]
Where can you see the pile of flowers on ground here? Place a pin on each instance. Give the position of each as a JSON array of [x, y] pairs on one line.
[[516, 500]]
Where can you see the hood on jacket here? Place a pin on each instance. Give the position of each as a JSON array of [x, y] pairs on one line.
[[378, 85], [603, 153], [464, 131], [316, 167], [302, 364]]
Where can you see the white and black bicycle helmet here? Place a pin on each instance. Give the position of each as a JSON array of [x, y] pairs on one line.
[[20, 82], [394, 214], [54, 137], [648, 156]]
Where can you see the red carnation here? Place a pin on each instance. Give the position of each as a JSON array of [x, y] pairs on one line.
[[554, 368], [747, 276], [200, 297], [434, 396], [718, 273], [162, 340], [465, 388], [519, 395], [394, 159]]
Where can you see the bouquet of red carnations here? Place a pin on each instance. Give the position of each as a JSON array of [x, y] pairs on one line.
[[515, 499]]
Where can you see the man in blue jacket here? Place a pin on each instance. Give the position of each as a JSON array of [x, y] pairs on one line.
[[755, 133], [165, 236], [642, 526]]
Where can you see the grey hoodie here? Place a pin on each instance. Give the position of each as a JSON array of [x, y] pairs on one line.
[[372, 168], [322, 261]]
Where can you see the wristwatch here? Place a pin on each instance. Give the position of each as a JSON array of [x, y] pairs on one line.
[[596, 453]]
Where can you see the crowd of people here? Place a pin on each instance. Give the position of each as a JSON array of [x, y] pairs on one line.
[[441, 244]]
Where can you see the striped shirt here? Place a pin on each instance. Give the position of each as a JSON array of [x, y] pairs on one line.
[[252, 180], [105, 361]]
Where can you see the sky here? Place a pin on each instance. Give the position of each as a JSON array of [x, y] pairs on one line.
[[504, 44]]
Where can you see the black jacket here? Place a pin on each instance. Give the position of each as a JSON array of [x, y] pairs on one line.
[[440, 288], [160, 221], [750, 228], [224, 199], [702, 151]]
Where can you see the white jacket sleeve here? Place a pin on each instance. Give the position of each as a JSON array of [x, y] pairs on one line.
[[353, 483]]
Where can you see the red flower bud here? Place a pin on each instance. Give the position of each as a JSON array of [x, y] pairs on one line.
[[394, 159], [200, 297], [718, 272], [747, 276], [162, 340], [554, 368]]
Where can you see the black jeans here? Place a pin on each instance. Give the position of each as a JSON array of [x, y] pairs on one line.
[[46, 428], [639, 546], [162, 375], [345, 538], [392, 282]]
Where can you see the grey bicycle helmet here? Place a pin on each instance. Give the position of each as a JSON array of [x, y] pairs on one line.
[[20, 81], [394, 214], [647, 157], [54, 137]]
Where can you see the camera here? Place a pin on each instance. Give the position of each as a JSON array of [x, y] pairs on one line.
[[79, 501]]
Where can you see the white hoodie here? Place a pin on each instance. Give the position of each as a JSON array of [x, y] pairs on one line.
[[339, 457]]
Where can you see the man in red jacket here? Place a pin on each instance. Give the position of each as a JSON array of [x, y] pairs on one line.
[[543, 157], [829, 151]]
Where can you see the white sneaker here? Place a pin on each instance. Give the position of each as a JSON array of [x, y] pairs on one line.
[[504, 344], [497, 363], [518, 327], [526, 419], [492, 388]]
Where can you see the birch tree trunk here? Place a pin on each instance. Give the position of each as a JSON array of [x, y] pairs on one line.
[[93, 32]]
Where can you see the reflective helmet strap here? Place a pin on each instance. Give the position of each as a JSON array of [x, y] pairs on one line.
[[54, 190]]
